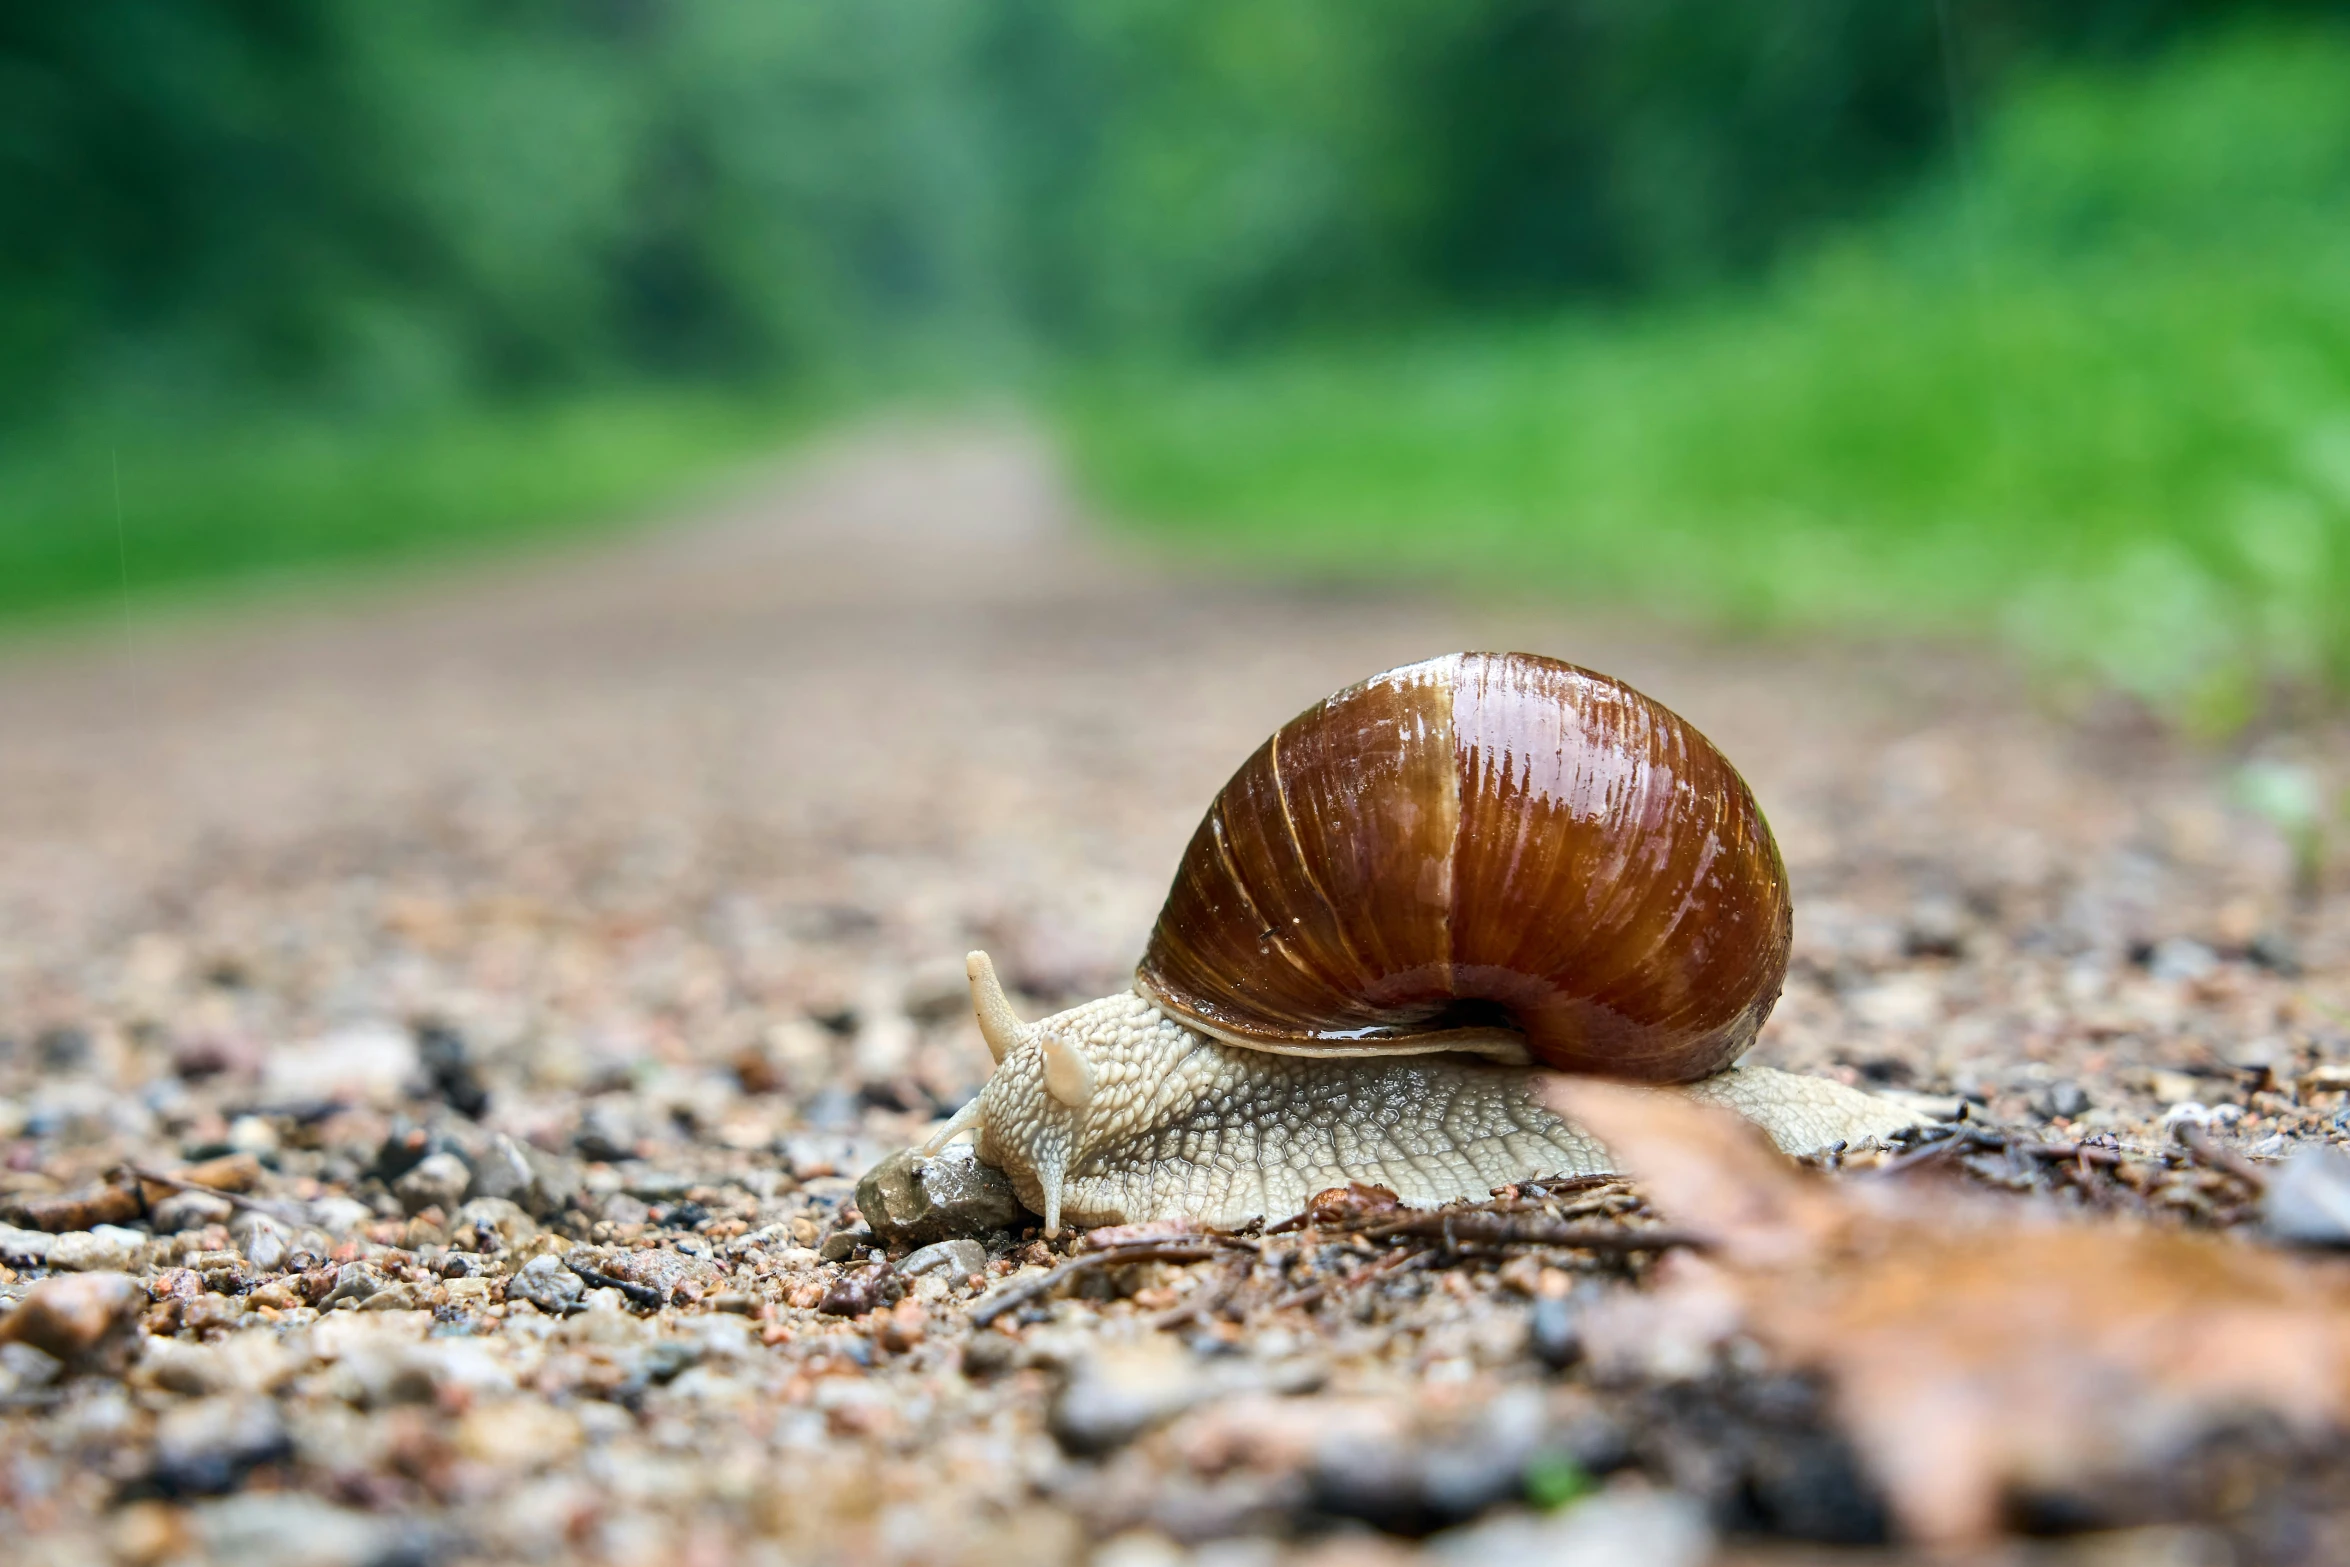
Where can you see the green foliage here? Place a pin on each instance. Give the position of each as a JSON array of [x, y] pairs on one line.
[[260, 239], [98, 522], [392, 205], [1552, 1480], [2096, 397]]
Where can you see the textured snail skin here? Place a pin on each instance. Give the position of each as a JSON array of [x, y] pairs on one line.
[[1182, 1126]]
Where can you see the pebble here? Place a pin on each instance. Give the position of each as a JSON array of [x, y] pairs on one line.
[[2308, 1199], [1553, 1332], [541, 1184], [208, 1445], [78, 1318], [912, 1201], [1654, 1529], [24, 1248], [1412, 1486], [501, 1216], [2181, 959], [189, 1211], [844, 1245], [2063, 1099], [78, 1210], [262, 1239], [107, 1248], [292, 1529], [339, 1215], [957, 1260], [677, 1275], [550, 1286], [1113, 1395], [354, 1282], [438, 1180]]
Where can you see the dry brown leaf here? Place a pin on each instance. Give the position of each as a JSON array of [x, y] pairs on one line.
[[1978, 1348]]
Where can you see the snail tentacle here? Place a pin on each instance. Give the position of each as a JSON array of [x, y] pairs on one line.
[[999, 1025]]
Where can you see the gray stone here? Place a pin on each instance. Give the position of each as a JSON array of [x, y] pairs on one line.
[[107, 1248], [2181, 958], [25, 1247], [1116, 1393], [438, 1181], [262, 1239], [541, 1184], [956, 1260], [2064, 1099], [547, 1284], [354, 1282], [621, 1208], [2308, 1199], [293, 1529], [844, 1245], [207, 1446], [909, 1200], [1555, 1333], [499, 1215], [339, 1215], [1655, 1528], [189, 1211]]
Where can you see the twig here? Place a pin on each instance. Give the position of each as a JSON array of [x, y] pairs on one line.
[[1010, 1297], [2058, 1153], [267, 1210], [1402, 1260], [1962, 1139], [642, 1294], [2219, 1156], [1211, 1299], [1498, 1229]]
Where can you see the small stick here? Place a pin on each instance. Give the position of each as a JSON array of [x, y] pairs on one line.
[[643, 1294], [1963, 1139], [2219, 1156], [1011, 1296], [2058, 1153], [1402, 1260], [1452, 1227], [238, 1200], [1211, 1299]]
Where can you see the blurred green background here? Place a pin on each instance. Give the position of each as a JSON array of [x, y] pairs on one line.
[[1976, 316]]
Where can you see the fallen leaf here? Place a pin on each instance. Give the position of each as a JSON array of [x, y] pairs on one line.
[[1981, 1349]]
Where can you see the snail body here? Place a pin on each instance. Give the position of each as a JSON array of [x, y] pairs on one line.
[[1418, 897]]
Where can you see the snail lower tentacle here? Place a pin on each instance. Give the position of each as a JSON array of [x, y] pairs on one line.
[[1182, 1126]]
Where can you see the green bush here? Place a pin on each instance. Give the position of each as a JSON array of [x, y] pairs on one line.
[[2093, 395], [85, 520]]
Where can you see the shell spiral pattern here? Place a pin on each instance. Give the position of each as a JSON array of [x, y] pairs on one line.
[[1485, 850]]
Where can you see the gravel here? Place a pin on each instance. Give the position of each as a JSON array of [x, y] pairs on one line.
[[529, 966]]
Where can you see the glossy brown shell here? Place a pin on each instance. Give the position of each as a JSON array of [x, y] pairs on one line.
[[1483, 846]]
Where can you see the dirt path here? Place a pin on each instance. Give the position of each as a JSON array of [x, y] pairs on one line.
[[684, 837]]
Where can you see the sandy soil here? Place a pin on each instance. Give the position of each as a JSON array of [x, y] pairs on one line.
[[660, 859]]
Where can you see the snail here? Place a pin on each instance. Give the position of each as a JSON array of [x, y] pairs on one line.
[[1414, 901]]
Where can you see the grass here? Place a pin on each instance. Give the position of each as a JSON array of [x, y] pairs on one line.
[[89, 519], [2096, 400]]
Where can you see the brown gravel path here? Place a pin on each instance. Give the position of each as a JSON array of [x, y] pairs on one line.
[[683, 837]]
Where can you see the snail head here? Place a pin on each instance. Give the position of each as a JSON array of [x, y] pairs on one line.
[[1032, 1116]]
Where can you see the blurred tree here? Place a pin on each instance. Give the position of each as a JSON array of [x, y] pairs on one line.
[[367, 205]]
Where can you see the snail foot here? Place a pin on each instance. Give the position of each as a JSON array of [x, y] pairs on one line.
[[1803, 1114]]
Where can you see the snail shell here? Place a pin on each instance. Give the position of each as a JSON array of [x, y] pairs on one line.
[[1492, 851]]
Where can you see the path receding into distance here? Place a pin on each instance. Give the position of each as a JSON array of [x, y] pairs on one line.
[[896, 697]]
